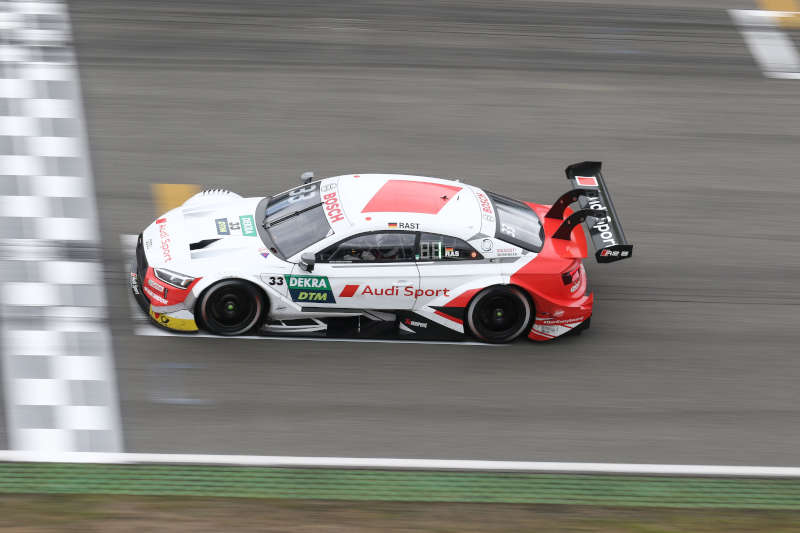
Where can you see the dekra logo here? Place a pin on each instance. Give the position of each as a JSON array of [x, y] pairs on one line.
[[309, 288]]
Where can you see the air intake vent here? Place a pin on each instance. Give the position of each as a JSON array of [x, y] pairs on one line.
[[217, 192], [201, 244]]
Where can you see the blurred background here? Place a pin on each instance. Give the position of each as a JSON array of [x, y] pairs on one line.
[[692, 354], [692, 107]]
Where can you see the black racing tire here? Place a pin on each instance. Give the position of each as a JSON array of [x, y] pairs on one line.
[[499, 314], [231, 307]]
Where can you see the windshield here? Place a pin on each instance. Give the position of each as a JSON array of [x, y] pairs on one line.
[[517, 223], [295, 220]]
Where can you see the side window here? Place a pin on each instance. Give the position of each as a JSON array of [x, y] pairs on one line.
[[384, 247], [435, 247]]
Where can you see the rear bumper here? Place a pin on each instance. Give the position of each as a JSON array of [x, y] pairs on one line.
[[556, 320]]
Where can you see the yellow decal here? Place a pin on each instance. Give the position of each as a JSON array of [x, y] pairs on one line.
[[178, 324], [788, 11]]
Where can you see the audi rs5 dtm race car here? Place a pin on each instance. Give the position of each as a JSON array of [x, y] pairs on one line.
[[378, 254]]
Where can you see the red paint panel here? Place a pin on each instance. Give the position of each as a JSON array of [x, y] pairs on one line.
[[462, 299], [401, 196], [448, 317], [348, 291], [586, 181], [154, 290]]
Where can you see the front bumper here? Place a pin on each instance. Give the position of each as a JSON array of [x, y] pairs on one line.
[[181, 320]]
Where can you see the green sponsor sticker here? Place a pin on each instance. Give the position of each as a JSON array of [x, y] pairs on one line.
[[248, 225], [305, 288]]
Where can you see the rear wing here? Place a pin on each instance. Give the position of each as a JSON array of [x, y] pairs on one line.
[[592, 195]]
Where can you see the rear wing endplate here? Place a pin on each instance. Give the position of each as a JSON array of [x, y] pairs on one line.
[[597, 209]]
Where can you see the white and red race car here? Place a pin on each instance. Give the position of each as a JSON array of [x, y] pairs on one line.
[[376, 255]]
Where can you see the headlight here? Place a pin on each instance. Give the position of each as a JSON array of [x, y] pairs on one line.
[[180, 281]]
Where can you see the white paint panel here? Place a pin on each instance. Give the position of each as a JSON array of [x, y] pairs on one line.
[[40, 391], [29, 293], [44, 441], [19, 126], [48, 107], [71, 272], [54, 146], [39, 8], [16, 88], [21, 165], [61, 186], [88, 367], [47, 71], [24, 206], [33, 342], [67, 229], [11, 53], [76, 417]]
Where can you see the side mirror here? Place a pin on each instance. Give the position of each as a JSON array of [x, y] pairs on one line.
[[306, 177], [307, 261]]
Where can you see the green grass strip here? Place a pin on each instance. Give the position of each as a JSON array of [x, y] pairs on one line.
[[392, 485]]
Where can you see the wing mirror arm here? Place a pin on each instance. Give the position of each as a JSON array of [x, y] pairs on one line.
[[307, 261]]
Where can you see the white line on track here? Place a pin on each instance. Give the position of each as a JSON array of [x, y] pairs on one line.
[[772, 49], [405, 464]]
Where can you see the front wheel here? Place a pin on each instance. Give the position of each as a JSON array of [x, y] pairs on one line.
[[499, 314], [231, 307]]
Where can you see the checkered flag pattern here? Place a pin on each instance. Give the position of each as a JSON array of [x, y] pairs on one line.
[[58, 374]]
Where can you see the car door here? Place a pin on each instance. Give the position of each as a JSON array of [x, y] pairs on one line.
[[448, 266], [374, 270]]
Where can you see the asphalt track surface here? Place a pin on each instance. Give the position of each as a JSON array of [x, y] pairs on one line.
[[692, 354]]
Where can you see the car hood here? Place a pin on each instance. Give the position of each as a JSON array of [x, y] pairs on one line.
[[190, 240]]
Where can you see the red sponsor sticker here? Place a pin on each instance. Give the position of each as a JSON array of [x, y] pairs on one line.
[[486, 205], [348, 291], [586, 181], [332, 208]]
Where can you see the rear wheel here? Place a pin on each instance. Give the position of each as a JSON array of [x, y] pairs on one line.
[[499, 314], [231, 307]]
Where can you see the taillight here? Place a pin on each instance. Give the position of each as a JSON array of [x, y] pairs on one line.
[[572, 275]]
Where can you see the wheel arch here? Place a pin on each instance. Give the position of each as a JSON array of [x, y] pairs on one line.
[[528, 296], [209, 282]]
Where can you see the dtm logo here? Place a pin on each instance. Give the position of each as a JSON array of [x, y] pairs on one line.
[[310, 289], [222, 226]]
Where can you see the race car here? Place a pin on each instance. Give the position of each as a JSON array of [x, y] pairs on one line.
[[370, 255]]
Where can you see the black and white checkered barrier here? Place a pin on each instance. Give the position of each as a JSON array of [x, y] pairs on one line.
[[58, 374]]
